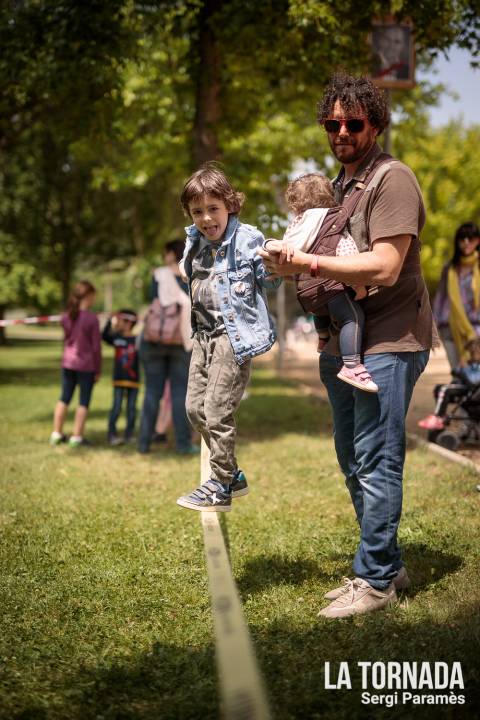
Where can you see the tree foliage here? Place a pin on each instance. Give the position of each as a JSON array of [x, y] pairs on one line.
[[106, 107]]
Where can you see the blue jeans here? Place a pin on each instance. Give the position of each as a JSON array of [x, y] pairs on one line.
[[161, 362], [118, 393], [369, 434]]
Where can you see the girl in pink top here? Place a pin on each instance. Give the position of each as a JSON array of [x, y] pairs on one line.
[[81, 362]]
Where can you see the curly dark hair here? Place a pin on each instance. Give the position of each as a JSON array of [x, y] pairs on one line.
[[353, 92]]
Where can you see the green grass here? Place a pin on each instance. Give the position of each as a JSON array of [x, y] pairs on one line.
[[105, 606]]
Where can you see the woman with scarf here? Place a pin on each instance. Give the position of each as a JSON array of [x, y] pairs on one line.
[[457, 303], [456, 306]]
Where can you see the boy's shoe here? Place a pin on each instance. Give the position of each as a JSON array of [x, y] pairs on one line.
[[401, 582], [432, 422], [160, 438], [239, 486], [359, 598], [212, 496], [115, 440], [75, 442], [190, 450], [57, 438], [359, 377]]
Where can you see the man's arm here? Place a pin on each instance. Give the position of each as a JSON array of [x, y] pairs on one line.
[[379, 266]]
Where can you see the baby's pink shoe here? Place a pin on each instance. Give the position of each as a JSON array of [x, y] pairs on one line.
[[359, 377], [431, 422]]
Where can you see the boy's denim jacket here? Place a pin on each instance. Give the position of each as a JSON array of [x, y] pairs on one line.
[[240, 282]]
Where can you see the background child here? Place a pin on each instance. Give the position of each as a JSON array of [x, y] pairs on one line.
[[467, 374], [118, 333], [309, 197], [81, 362], [230, 321]]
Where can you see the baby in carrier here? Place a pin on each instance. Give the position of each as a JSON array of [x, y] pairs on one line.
[[310, 197]]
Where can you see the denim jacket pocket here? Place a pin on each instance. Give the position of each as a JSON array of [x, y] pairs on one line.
[[242, 283]]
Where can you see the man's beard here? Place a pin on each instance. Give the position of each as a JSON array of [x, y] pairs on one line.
[[352, 153]]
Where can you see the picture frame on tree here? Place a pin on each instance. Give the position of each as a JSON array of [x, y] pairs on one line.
[[393, 53]]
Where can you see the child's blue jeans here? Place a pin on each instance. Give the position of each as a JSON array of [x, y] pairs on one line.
[[118, 393]]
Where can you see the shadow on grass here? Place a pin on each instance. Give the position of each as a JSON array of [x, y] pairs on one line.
[[293, 663], [425, 566], [35, 377], [173, 683], [168, 683], [263, 572]]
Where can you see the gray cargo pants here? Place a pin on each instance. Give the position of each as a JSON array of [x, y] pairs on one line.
[[215, 387]]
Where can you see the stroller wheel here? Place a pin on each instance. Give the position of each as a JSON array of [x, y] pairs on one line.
[[432, 435], [447, 440]]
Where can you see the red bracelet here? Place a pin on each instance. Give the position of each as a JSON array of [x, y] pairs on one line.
[[314, 266]]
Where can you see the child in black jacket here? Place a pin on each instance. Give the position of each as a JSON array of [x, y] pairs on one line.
[[126, 374]]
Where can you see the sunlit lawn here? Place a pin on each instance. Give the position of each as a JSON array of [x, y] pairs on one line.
[[105, 606]]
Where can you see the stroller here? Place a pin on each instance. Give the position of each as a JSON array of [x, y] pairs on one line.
[[458, 406]]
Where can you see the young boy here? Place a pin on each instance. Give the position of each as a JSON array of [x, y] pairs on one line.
[[126, 375], [230, 321]]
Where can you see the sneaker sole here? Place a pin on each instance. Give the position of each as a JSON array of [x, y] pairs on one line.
[[340, 613], [356, 384], [240, 493], [400, 586], [210, 508]]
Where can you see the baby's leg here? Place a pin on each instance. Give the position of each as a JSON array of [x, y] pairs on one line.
[[322, 325], [350, 318]]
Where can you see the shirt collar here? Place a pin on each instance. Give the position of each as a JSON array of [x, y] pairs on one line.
[[362, 170]]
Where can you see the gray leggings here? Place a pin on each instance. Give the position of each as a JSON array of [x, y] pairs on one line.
[[350, 318]]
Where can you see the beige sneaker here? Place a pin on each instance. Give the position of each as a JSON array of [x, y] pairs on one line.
[[401, 582], [359, 597]]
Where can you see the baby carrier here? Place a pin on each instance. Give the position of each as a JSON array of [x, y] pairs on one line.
[[314, 293]]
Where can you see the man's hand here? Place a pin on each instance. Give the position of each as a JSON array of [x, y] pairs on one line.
[[284, 261]]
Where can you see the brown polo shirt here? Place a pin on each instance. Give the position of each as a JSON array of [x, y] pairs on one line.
[[397, 318]]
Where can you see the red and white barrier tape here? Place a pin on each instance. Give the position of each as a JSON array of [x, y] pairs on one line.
[[40, 320], [43, 319]]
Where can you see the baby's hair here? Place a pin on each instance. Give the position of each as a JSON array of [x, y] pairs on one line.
[[312, 190], [80, 291], [210, 179], [473, 345]]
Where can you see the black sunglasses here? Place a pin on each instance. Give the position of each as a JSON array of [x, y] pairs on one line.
[[353, 125]]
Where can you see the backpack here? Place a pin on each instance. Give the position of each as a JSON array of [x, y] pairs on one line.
[[314, 293], [162, 324]]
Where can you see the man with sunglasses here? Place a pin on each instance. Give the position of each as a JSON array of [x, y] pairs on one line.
[[369, 429]]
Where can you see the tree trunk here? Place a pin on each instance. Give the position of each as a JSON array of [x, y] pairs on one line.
[[208, 109]]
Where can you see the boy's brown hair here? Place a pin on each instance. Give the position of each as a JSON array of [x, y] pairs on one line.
[[210, 179], [312, 190]]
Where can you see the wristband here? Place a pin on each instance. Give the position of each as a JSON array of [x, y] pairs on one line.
[[314, 266]]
